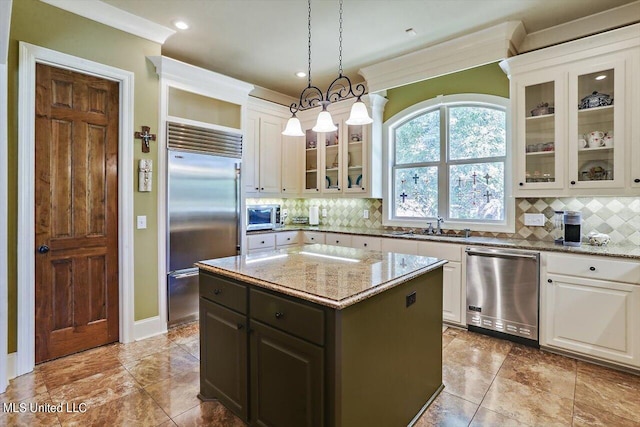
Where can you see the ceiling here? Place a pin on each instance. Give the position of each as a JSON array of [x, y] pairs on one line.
[[264, 42]]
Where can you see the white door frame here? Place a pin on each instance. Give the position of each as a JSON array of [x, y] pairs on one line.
[[29, 56]]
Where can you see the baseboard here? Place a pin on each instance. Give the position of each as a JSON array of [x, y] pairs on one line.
[[11, 365], [148, 328]]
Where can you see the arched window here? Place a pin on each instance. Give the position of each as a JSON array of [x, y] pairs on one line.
[[448, 158]]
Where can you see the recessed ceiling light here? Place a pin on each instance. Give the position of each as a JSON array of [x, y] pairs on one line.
[[181, 25], [410, 32], [301, 74], [601, 77]]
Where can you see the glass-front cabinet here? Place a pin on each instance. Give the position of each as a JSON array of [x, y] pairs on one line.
[[541, 111], [355, 168], [596, 134], [312, 164], [332, 160]]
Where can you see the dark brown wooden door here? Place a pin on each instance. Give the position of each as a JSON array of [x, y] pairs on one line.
[[76, 212]]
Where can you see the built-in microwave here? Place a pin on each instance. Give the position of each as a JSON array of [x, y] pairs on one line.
[[263, 217]]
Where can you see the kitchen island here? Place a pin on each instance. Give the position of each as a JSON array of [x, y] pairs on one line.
[[321, 335]]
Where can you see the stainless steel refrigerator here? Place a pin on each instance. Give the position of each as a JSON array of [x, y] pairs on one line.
[[203, 217]]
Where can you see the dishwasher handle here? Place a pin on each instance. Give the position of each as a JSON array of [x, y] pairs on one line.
[[476, 252]]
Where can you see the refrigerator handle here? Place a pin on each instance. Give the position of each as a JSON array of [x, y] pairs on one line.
[[238, 213]]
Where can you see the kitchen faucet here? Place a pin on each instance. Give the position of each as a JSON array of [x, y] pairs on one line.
[[440, 221], [429, 230]]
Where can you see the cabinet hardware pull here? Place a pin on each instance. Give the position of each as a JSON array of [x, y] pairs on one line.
[[317, 189], [365, 245], [240, 326], [592, 268], [284, 189], [262, 188], [217, 291], [288, 238], [338, 188], [636, 180], [520, 184], [573, 183], [279, 315], [549, 280], [257, 188], [262, 243]]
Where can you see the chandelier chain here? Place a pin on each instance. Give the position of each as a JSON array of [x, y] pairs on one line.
[[340, 43], [309, 45]]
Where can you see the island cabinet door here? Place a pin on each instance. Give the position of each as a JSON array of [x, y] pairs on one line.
[[287, 386], [223, 349]]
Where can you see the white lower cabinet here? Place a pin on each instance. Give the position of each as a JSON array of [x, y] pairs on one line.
[[452, 282], [401, 246], [261, 242], [287, 238], [311, 237], [366, 242], [338, 239], [592, 313]]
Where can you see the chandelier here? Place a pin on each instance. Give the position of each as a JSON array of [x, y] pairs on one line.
[[339, 89]]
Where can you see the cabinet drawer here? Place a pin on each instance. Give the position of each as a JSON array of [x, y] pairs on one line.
[[262, 241], [312, 237], [448, 251], [285, 238], [224, 292], [594, 267], [290, 316], [363, 242], [338, 239]]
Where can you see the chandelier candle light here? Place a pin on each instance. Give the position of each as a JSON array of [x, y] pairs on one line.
[[339, 89]]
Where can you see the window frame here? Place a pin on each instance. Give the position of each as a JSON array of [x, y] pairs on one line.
[[444, 163]]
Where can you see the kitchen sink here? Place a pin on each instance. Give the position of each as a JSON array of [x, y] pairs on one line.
[[418, 235]]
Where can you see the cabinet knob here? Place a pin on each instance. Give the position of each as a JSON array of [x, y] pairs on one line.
[[313, 238], [257, 188], [521, 184], [365, 245], [338, 188], [549, 281], [592, 268], [240, 326], [573, 183], [217, 291], [261, 188], [284, 189], [288, 238], [317, 189], [636, 180], [279, 315], [337, 241], [262, 242], [362, 188]]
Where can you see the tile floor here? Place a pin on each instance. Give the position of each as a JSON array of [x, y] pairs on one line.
[[488, 382]]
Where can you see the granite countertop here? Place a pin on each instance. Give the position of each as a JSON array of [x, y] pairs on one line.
[[615, 250], [332, 276]]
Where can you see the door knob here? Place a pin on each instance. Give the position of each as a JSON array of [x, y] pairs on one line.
[[43, 249]]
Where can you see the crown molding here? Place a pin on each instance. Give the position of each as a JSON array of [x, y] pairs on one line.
[[5, 27], [472, 50], [260, 92], [117, 18], [589, 25], [201, 81]]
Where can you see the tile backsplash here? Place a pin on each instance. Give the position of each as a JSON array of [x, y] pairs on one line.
[[619, 217]]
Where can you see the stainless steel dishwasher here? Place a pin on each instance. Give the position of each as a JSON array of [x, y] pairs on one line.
[[502, 293]]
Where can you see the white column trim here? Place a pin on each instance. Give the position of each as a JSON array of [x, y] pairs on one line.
[[29, 56], [5, 25]]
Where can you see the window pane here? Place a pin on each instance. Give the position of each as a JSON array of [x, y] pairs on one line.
[[418, 140], [476, 132], [416, 192], [476, 191]]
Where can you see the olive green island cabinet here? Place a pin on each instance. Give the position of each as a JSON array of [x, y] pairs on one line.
[[321, 335]]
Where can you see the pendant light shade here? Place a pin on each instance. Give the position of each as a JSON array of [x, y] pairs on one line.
[[293, 127], [325, 122], [359, 114]]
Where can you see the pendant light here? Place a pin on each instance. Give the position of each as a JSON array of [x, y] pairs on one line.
[[341, 88]]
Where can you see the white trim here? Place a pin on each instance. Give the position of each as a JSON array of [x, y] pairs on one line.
[[626, 14], [29, 56], [4, 329], [207, 83], [482, 47], [150, 327], [117, 18], [5, 24], [508, 226], [11, 365]]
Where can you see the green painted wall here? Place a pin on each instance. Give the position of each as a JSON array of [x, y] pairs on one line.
[[487, 79], [44, 25]]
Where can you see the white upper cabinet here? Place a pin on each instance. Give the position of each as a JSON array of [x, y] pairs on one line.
[[573, 116]]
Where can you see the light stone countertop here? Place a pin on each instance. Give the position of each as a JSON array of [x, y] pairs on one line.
[[621, 251], [332, 276]]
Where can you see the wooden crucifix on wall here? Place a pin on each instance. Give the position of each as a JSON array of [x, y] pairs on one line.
[[145, 136]]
